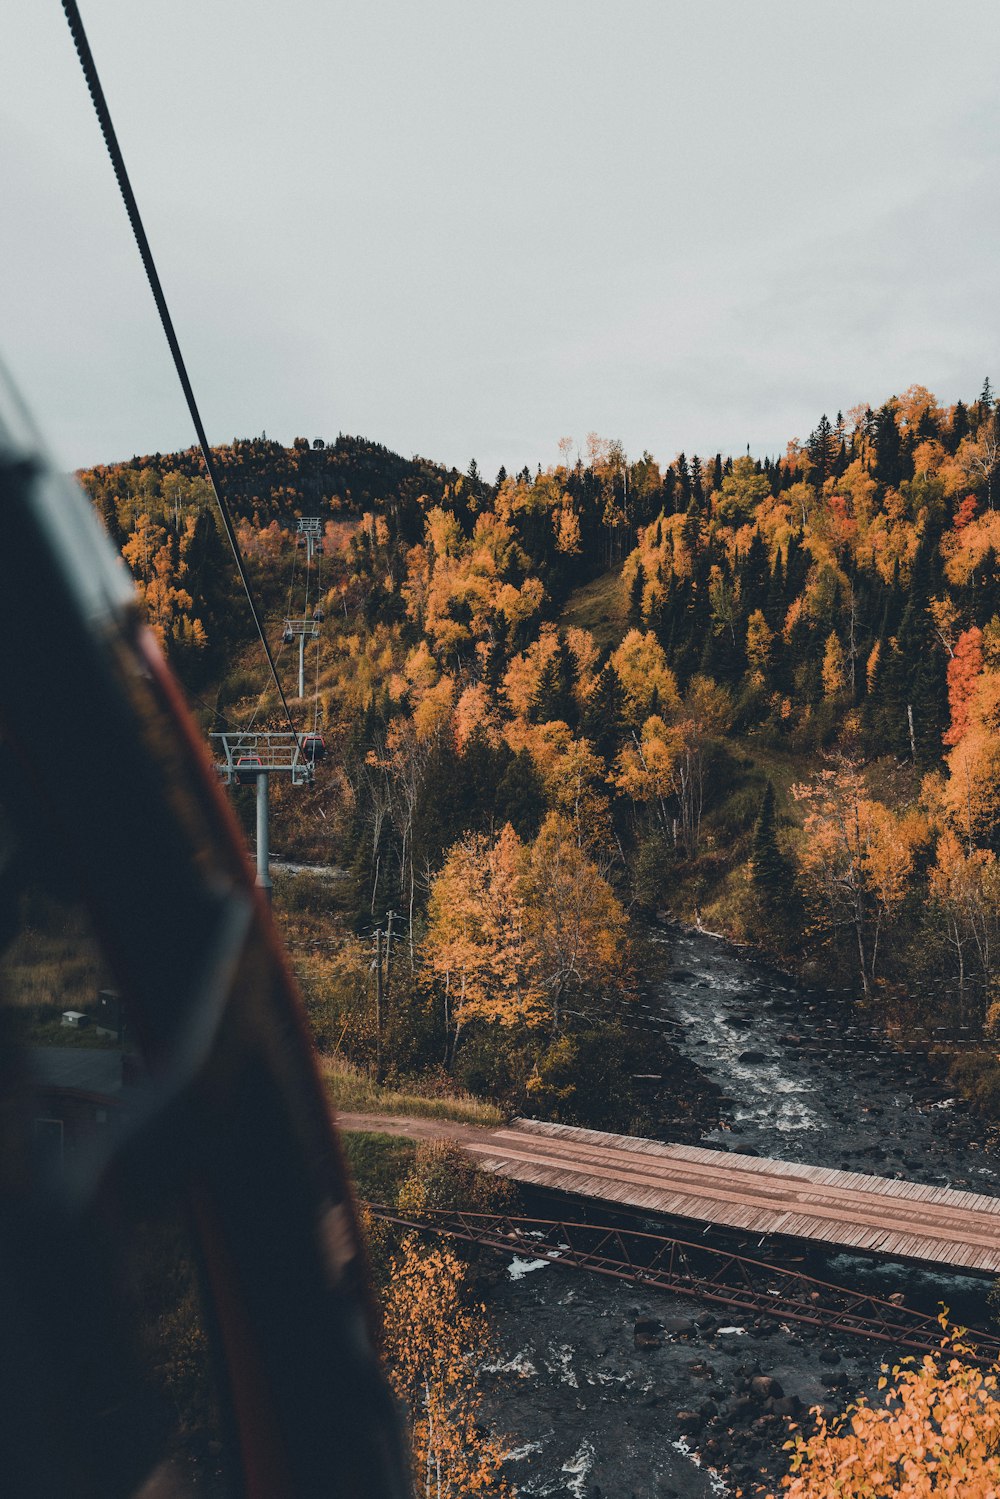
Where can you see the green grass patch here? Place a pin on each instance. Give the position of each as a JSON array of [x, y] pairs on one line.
[[379, 1163], [353, 1091], [599, 606]]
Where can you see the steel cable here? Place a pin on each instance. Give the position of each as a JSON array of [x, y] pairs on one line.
[[132, 209]]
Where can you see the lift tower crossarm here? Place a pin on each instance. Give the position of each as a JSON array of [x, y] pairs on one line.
[[255, 757]]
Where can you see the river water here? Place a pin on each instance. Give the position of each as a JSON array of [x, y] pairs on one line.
[[587, 1412]]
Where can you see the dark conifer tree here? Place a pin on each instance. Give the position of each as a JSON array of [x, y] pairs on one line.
[[691, 530], [959, 427], [888, 447], [823, 449], [755, 576], [520, 798], [554, 697], [914, 679], [683, 482], [603, 716], [697, 484], [774, 609], [772, 873], [496, 655]]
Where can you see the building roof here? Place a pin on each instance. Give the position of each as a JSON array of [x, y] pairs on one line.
[[90, 1068]]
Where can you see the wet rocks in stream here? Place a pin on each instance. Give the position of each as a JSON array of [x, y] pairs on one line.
[[604, 1394], [601, 1393]]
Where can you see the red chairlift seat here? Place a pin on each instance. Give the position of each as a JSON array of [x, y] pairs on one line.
[[313, 747], [248, 768]]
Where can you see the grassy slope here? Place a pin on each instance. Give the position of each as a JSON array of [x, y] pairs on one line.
[[353, 1090], [379, 1163], [600, 607]]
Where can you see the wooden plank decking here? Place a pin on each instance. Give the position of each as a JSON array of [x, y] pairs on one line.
[[878, 1215]]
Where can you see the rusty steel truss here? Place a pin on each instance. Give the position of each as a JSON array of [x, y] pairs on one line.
[[714, 1275]]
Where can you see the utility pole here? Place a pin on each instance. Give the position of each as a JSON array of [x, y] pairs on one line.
[[379, 1004]]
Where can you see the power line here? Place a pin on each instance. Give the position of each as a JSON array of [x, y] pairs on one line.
[[132, 209]]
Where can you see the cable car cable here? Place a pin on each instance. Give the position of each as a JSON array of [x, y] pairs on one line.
[[132, 209]]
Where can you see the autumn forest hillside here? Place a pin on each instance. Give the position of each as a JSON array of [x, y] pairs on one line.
[[759, 695]]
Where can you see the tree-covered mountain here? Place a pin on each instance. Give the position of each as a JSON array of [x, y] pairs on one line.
[[762, 693]]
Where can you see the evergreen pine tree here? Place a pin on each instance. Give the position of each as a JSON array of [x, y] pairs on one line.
[[959, 427], [823, 449], [520, 798], [554, 698], [697, 485], [683, 482], [771, 872], [603, 716]]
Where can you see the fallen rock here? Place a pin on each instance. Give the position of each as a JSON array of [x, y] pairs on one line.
[[829, 1356], [688, 1421], [751, 1056], [646, 1333], [765, 1387]]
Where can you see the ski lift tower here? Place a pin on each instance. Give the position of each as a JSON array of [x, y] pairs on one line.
[[301, 630], [309, 534], [249, 758], [310, 531]]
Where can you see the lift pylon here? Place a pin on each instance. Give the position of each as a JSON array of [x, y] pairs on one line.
[[309, 533], [253, 758], [301, 630]]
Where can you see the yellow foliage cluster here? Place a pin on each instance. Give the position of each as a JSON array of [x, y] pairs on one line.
[[434, 1345], [937, 1436], [159, 564], [512, 929]]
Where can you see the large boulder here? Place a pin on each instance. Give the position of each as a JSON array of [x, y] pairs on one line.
[[765, 1387]]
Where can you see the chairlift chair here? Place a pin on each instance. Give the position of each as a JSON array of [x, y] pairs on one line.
[[248, 768], [313, 746]]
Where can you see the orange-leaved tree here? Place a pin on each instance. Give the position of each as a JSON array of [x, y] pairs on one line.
[[435, 1345], [937, 1434], [575, 922], [477, 950], [856, 858], [512, 931]]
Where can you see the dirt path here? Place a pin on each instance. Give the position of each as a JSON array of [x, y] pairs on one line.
[[415, 1128]]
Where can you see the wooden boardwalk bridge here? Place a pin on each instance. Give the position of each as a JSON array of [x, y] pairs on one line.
[[843, 1209]]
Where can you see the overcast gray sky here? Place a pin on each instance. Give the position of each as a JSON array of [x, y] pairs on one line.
[[467, 228]]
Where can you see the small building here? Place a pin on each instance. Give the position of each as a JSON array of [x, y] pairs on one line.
[[75, 1018], [77, 1094]]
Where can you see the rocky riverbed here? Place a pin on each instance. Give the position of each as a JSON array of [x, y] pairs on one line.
[[606, 1391]]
